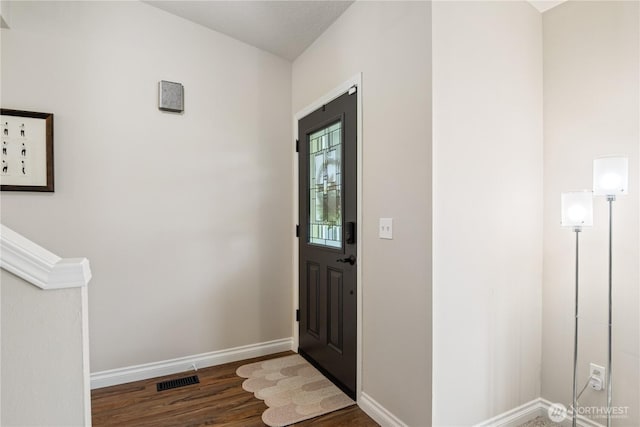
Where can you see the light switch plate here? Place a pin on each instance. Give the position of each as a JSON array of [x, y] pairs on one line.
[[385, 229]]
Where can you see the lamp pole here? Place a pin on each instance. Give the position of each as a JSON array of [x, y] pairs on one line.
[[610, 178], [575, 337], [577, 212], [610, 199]]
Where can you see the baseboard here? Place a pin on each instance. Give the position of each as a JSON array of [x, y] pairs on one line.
[[378, 412], [581, 420], [182, 364], [530, 410], [515, 416]]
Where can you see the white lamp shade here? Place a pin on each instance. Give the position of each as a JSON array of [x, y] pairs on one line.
[[610, 176], [577, 209]]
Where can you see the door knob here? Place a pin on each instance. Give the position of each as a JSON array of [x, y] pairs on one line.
[[350, 259]]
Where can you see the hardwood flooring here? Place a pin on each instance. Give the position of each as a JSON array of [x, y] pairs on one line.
[[218, 400]]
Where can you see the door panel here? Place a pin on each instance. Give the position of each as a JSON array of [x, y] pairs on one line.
[[328, 245], [335, 310], [313, 299]]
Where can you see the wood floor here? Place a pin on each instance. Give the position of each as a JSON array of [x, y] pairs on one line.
[[218, 400]]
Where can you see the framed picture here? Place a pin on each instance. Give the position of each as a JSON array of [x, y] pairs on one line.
[[26, 141]]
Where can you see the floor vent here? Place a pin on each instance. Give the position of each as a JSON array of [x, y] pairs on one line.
[[180, 382]]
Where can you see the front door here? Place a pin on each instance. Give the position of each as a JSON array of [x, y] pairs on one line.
[[328, 241]]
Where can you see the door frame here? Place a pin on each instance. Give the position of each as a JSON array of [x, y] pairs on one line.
[[356, 81]]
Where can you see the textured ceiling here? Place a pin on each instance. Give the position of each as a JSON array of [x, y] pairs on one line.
[[284, 28]]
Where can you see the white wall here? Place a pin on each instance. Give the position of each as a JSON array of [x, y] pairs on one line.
[[487, 109], [591, 108], [43, 379], [179, 213], [390, 43]]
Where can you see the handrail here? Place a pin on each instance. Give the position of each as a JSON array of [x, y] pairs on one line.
[[38, 266]]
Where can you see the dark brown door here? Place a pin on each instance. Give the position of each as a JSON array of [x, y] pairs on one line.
[[327, 195]]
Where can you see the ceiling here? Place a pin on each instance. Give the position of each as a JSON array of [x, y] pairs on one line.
[[544, 5], [284, 28]]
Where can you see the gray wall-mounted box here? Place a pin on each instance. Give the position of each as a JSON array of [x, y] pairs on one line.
[[170, 96]]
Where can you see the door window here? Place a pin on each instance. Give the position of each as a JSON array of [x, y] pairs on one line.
[[325, 186]]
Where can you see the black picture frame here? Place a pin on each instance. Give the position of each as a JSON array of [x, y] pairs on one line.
[[46, 146]]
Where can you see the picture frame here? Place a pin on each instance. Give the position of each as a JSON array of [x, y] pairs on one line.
[[26, 151]]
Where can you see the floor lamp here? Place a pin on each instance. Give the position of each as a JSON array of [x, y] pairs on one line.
[[610, 179], [577, 212]]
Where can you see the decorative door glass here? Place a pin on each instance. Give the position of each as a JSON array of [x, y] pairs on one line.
[[325, 186]]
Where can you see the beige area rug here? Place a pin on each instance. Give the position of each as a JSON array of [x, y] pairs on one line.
[[292, 389]]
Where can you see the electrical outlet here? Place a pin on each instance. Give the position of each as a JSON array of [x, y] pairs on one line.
[[597, 375]]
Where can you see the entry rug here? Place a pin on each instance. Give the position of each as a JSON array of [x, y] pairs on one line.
[[292, 389]]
